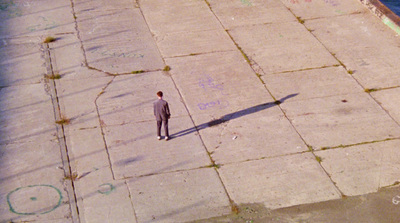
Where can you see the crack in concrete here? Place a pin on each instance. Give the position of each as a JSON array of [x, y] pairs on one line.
[[51, 88], [102, 125]]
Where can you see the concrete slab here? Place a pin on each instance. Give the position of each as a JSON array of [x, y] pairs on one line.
[[77, 99], [26, 114], [282, 47], [179, 196], [114, 43], [163, 17], [87, 152], [313, 83], [65, 65], [102, 200], [370, 63], [233, 141], [387, 99], [340, 120], [35, 18], [130, 98], [363, 169], [278, 182], [134, 149], [311, 9], [233, 13], [195, 42], [32, 182], [21, 63], [210, 85]]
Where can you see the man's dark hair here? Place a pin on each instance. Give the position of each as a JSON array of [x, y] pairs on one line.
[[159, 94]]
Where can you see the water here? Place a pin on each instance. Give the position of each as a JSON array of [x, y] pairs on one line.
[[393, 5]]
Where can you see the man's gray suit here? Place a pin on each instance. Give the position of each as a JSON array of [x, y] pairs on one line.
[[162, 114]]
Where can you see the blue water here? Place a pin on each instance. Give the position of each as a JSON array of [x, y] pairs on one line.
[[393, 5]]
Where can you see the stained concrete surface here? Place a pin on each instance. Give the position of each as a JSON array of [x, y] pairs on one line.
[[282, 111]]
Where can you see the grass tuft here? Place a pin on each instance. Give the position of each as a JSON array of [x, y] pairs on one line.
[[72, 177], [300, 20], [318, 158], [137, 72], [63, 121], [53, 76], [167, 68], [369, 90], [49, 39]]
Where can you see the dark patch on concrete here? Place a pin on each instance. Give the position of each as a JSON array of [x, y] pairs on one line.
[[369, 208]]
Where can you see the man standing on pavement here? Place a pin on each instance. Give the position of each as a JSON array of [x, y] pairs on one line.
[[161, 111]]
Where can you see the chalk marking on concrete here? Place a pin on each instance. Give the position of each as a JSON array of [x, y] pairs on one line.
[[46, 210]]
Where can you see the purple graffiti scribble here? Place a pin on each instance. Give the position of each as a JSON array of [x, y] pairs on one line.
[[208, 82], [332, 2], [217, 104]]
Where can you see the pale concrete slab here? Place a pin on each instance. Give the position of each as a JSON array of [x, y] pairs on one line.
[[31, 185], [282, 47], [196, 42], [21, 63], [77, 100], [234, 139], [310, 9], [353, 39], [64, 64], [363, 169], [101, 199], [163, 17], [134, 149], [26, 114], [87, 152], [233, 13], [313, 83], [278, 182], [130, 98], [35, 18], [117, 41], [210, 85], [340, 120], [179, 196], [388, 99]]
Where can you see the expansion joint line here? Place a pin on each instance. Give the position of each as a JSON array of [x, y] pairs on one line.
[[52, 90], [102, 125], [85, 63], [310, 148]]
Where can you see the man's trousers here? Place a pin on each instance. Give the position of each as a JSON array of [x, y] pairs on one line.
[[165, 123]]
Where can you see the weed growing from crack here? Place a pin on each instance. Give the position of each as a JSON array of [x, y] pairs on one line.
[[63, 121], [217, 166], [72, 177], [300, 20], [318, 158], [53, 76], [49, 39], [137, 72], [369, 90], [167, 68]]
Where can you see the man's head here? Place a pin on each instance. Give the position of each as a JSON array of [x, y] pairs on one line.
[[160, 94]]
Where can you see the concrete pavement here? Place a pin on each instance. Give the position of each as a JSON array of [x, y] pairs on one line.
[[277, 105]]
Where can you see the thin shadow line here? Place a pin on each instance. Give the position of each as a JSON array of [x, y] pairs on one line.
[[231, 116]]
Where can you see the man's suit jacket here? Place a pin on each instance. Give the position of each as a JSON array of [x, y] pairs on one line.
[[161, 110]]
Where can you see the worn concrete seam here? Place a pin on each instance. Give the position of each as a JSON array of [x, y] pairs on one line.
[[102, 125], [69, 184]]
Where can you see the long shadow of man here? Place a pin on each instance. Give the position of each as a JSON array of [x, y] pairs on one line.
[[231, 116]]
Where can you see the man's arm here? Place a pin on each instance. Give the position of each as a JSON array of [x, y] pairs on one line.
[[167, 111]]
